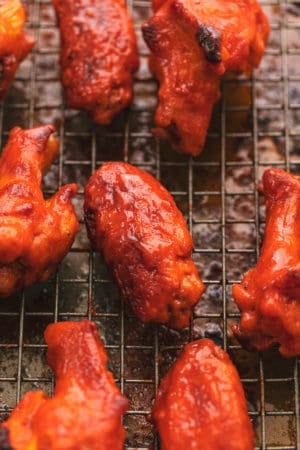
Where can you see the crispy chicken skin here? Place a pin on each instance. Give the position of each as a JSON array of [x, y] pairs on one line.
[[15, 43], [35, 234], [86, 409], [269, 293], [200, 403], [98, 56], [193, 43], [134, 222]]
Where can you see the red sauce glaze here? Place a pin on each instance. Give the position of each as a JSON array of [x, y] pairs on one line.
[[134, 222], [15, 43], [86, 409], [98, 55], [269, 293], [35, 234], [193, 43], [200, 403]]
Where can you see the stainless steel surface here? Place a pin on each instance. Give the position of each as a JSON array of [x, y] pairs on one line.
[[255, 125]]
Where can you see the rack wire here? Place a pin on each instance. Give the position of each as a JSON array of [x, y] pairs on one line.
[[255, 125]]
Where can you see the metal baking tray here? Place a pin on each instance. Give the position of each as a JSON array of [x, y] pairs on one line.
[[255, 125]]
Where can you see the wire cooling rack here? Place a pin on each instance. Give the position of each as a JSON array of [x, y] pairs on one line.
[[255, 125]]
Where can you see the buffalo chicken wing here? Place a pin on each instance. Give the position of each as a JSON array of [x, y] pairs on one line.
[[15, 43], [193, 43], [201, 404], [86, 409], [98, 56], [35, 234], [134, 222], [269, 293]]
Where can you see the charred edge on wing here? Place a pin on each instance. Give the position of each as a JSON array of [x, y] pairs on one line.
[[173, 133], [209, 39], [245, 341], [2, 71], [150, 34], [90, 221], [7, 64], [4, 439]]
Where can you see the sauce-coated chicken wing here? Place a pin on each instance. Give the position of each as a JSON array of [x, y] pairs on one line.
[[98, 56], [35, 234], [86, 409], [269, 293], [15, 43], [193, 43], [134, 222], [201, 404]]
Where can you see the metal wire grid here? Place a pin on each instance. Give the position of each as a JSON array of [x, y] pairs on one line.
[[254, 126]]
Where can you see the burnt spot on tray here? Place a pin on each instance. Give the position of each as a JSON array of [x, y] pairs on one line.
[[209, 39], [4, 440]]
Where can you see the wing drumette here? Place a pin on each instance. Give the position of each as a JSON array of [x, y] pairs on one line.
[[35, 234], [98, 56], [86, 409], [269, 294], [134, 222], [15, 43], [193, 43], [201, 404]]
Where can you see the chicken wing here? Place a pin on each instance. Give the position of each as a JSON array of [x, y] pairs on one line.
[[269, 293], [134, 222], [35, 234], [200, 403], [15, 43], [98, 56], [193, 43], [86, 409]]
